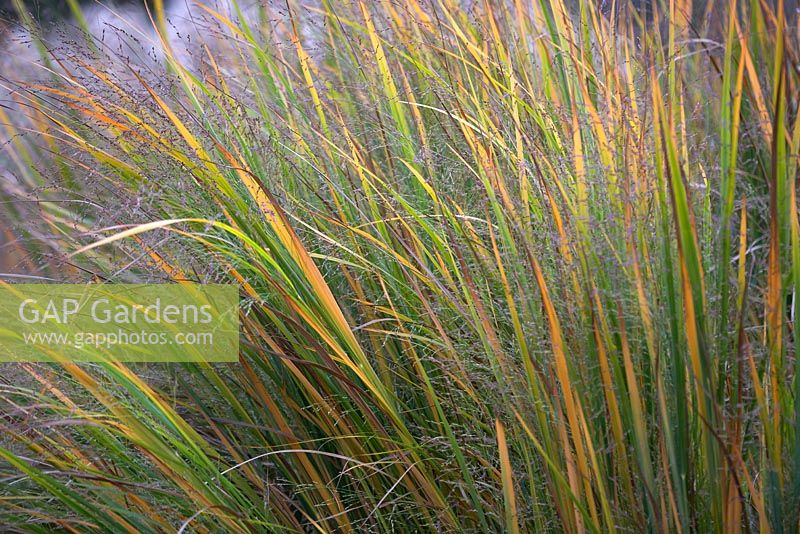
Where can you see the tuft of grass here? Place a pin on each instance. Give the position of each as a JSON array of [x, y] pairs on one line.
[[521, 267]]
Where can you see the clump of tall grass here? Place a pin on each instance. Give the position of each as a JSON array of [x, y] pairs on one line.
[[521, 266]]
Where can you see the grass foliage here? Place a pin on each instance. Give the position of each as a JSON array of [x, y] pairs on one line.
[[505, 266]]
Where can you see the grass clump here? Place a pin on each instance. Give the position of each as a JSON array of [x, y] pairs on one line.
[[507, 266]]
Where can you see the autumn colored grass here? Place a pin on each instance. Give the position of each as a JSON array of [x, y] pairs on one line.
[[512, 266]]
